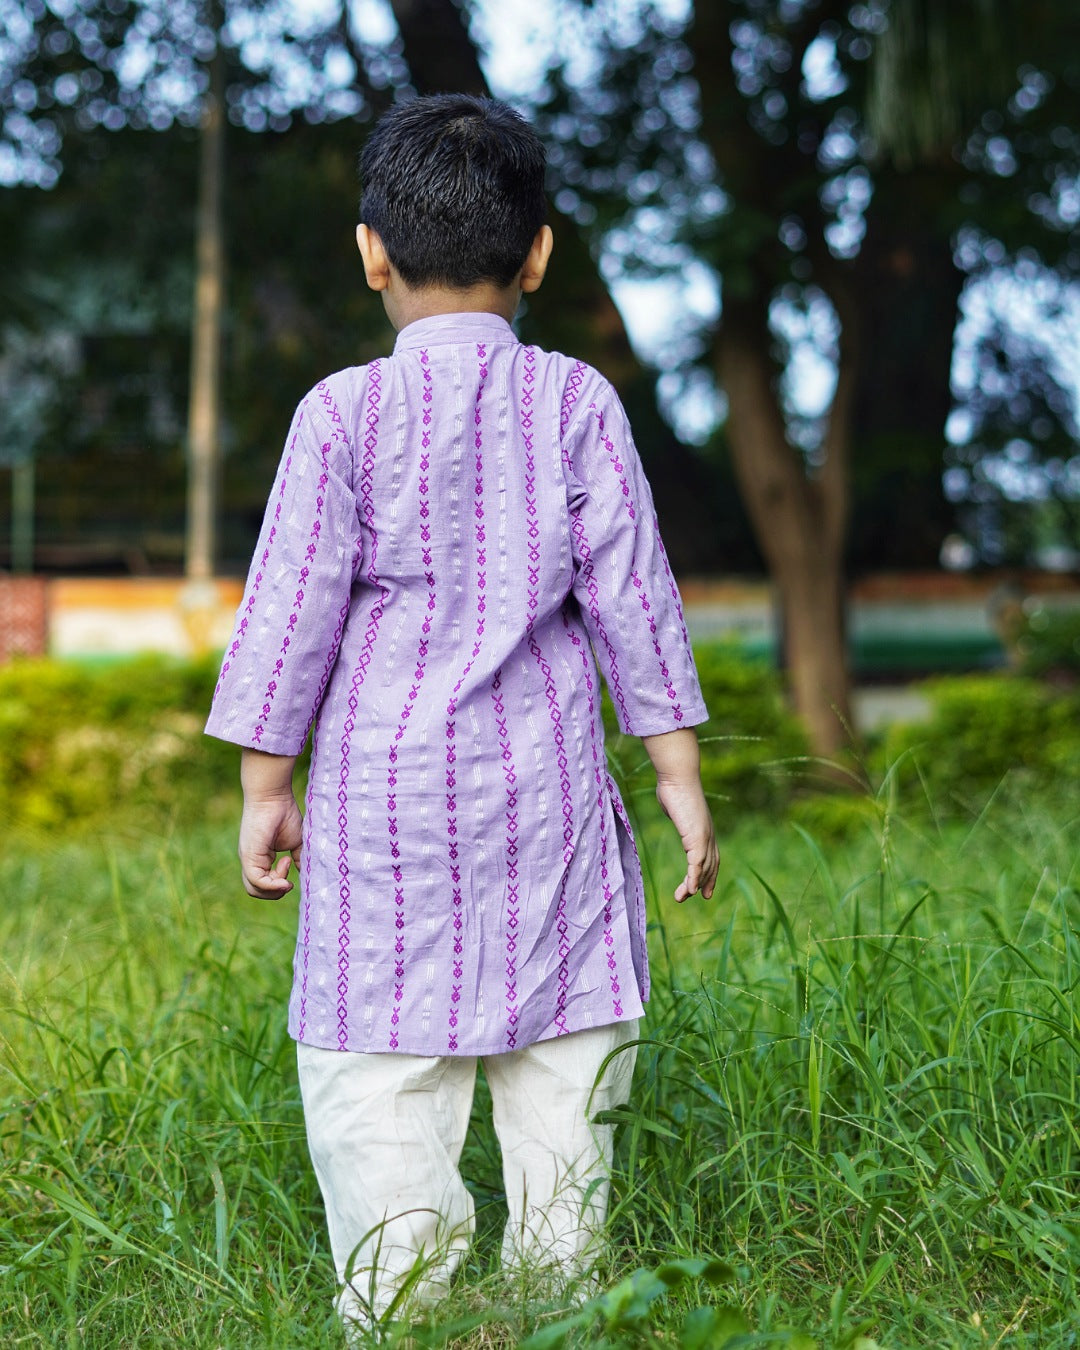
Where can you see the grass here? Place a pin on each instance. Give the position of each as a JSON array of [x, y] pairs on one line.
[[857, 1089]]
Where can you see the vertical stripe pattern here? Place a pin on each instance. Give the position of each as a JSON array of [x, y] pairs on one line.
[[457, 536], [371, 633]]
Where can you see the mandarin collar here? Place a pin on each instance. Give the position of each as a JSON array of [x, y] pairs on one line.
[[437, 329]]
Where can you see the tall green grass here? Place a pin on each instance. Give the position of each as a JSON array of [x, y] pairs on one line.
[[857, 1088], [871, 1087]]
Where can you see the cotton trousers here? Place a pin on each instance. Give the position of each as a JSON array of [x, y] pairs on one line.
[[386, 1131]]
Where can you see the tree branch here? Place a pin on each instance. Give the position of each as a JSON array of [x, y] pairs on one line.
[[438, 50]]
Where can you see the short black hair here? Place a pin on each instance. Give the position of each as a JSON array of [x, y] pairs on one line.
[[454, 187]]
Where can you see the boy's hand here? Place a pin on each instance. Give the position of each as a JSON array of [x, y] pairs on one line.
[[271, 824], [267, 828], [684, 805], [676, 759]]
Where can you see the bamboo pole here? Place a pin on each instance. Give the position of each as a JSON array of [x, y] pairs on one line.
[[204, 409]]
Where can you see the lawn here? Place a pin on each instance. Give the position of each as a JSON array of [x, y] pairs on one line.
[[857, 1091]]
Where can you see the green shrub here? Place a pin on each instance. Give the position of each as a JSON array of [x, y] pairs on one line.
[[1047, 641], [983, 727], [112, 745], [122, 745]]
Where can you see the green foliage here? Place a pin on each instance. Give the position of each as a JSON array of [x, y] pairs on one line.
[[984, 727], [121, 743], [624, 1315], [1047, 641], [81, 745]]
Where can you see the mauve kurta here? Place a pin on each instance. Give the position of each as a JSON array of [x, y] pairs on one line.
[[454, 531]]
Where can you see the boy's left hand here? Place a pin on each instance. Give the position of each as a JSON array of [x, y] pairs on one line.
[[684, 805]]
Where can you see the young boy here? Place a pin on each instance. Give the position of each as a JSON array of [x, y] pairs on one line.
[[455, 532]]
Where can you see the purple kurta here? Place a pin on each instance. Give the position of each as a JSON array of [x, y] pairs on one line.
[[453, 532]]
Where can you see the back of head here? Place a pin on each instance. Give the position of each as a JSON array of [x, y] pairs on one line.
[[454, 187]]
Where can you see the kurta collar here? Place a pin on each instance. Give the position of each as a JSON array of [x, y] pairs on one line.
[[446, 328]]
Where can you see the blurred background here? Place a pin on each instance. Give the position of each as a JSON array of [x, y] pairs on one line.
[[828, 252]]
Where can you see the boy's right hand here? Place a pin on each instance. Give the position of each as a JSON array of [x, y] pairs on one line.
[[269, 827], [271, 824]]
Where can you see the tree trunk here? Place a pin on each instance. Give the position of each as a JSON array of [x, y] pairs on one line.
[[438, 50], [799, 522], [204, 408], [799, 515]]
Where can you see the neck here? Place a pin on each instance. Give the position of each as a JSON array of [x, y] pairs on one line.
[[405, 304]]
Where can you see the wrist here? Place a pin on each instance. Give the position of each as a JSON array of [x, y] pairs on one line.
[[267, 796], [675, 756], [266, 778]]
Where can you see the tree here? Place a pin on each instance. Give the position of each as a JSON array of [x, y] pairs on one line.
[[105, 65], [766, 141], [768, 106]]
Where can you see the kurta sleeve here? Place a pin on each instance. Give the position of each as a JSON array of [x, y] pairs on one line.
[[623, 583], [290, 621]]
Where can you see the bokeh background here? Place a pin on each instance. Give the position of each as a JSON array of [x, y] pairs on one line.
[[828, 252]]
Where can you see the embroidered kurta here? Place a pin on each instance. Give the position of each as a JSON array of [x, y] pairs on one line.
[[456, 535]]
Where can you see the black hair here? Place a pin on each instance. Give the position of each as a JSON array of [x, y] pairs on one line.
[[454, 187]]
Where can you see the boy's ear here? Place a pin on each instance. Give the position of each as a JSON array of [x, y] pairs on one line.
[[532, 274], [373, 254]]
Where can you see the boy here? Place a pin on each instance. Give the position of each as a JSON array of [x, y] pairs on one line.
[[453, 533]]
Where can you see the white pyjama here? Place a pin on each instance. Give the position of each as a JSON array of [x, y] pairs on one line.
[[386, 1133]]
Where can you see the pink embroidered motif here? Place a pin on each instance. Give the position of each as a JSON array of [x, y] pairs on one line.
[[256, 581], [512, 890], [672, 588], [609, 939], [410, 703], [570, 395], [305, 922], [458, 925], [562, 928], [298, 598], [367, 506], [334, 416], [628, 500], [532, 526], [588, 577]]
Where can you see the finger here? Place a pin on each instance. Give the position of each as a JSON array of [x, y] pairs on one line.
[[267, 887], [708, 884], [689, 884], [262, 883]]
